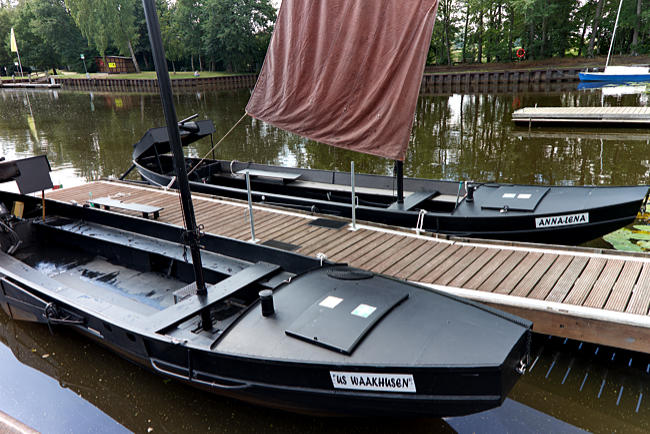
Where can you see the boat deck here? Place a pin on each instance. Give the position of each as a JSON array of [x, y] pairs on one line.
[[584, 115], [599, 296]]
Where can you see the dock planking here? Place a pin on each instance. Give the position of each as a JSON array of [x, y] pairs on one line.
[[588, 294], [586, 115]]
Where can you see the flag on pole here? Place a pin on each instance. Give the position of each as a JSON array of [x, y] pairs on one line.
[[14, 46]]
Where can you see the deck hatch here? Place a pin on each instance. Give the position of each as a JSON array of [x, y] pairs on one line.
[[340, 319], [516, 198], [281, 245]]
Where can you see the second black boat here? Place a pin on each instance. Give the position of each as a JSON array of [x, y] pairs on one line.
[[536, 213]]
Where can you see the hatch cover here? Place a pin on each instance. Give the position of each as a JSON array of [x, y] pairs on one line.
[[327, 223], [516, 198], [342, 318]]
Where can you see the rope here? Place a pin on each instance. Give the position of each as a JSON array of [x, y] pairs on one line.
[[218, 143]]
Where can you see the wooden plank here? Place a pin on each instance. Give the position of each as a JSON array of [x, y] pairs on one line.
[[460, 266], [388, 256], [445, 265], [587, 330], [360, 247], [282, 230], [640, 300], [361, 255], [504, 270], [488, 269], [568, 279], [342, 243], [546, 283], [426, 256], [603, 286], [470, 271], [406, 249], [586, 281], [514, 277], [324, 238], [432, 263], [532, 277], [623, 287]]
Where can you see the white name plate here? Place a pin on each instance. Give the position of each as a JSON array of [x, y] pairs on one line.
[[562, 220], [373, 381]]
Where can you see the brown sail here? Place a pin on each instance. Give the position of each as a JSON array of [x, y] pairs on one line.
[[346, 72]]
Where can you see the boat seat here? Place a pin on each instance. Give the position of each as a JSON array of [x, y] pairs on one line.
[[193, 305], [284, 176], [413, 200], [109, 203]]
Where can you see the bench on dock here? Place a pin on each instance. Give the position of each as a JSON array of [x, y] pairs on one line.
[[109, 203], [284, 176]]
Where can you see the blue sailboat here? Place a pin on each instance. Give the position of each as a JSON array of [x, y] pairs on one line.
[[617, 73]]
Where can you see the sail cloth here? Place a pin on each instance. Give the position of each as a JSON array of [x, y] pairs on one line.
[[346, 72]]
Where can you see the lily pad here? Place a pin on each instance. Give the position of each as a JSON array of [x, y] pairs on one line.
[[637, 240]]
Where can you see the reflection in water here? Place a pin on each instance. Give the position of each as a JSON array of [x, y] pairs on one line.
[[458, 136]]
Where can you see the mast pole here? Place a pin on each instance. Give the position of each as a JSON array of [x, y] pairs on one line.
[[399, 174], [192, 234], [611, 44]]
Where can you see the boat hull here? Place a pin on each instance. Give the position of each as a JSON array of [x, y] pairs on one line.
[[246, 355], [602, 76], [604, 209]]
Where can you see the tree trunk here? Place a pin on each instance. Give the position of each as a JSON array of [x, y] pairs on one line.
[[53, 71], [480, 37], [465, 31], [135, 61], [594, 28], [542, 50], [637, 25], [447, 42], [512, 25], [582, 36], [200, 63], [192, 61]]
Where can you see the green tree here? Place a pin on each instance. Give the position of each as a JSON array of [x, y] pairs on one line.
[[46, 33], [103, 22], [186, 23], [235, 31], [6, 57]]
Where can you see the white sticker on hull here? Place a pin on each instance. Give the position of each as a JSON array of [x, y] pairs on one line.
[[562, 220], [370, 381]]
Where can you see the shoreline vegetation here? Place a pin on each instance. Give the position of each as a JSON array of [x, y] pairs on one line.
[[552, 63], [224, 35]]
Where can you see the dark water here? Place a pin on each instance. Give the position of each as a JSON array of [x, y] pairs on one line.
[[62, 383]]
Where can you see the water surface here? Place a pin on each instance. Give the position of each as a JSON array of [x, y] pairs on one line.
[[64, 383]]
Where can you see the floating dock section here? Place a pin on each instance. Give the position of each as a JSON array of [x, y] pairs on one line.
[[583, 115], [593, 295], [31, 85]]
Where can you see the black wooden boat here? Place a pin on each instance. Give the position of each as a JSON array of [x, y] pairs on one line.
[[337, 341], [537, 213], [248, 321]]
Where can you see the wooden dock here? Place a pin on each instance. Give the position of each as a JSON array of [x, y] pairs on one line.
[[31, 85], [586, 294], [583, 115]]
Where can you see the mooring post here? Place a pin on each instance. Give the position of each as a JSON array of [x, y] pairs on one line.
[[250, 206]]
